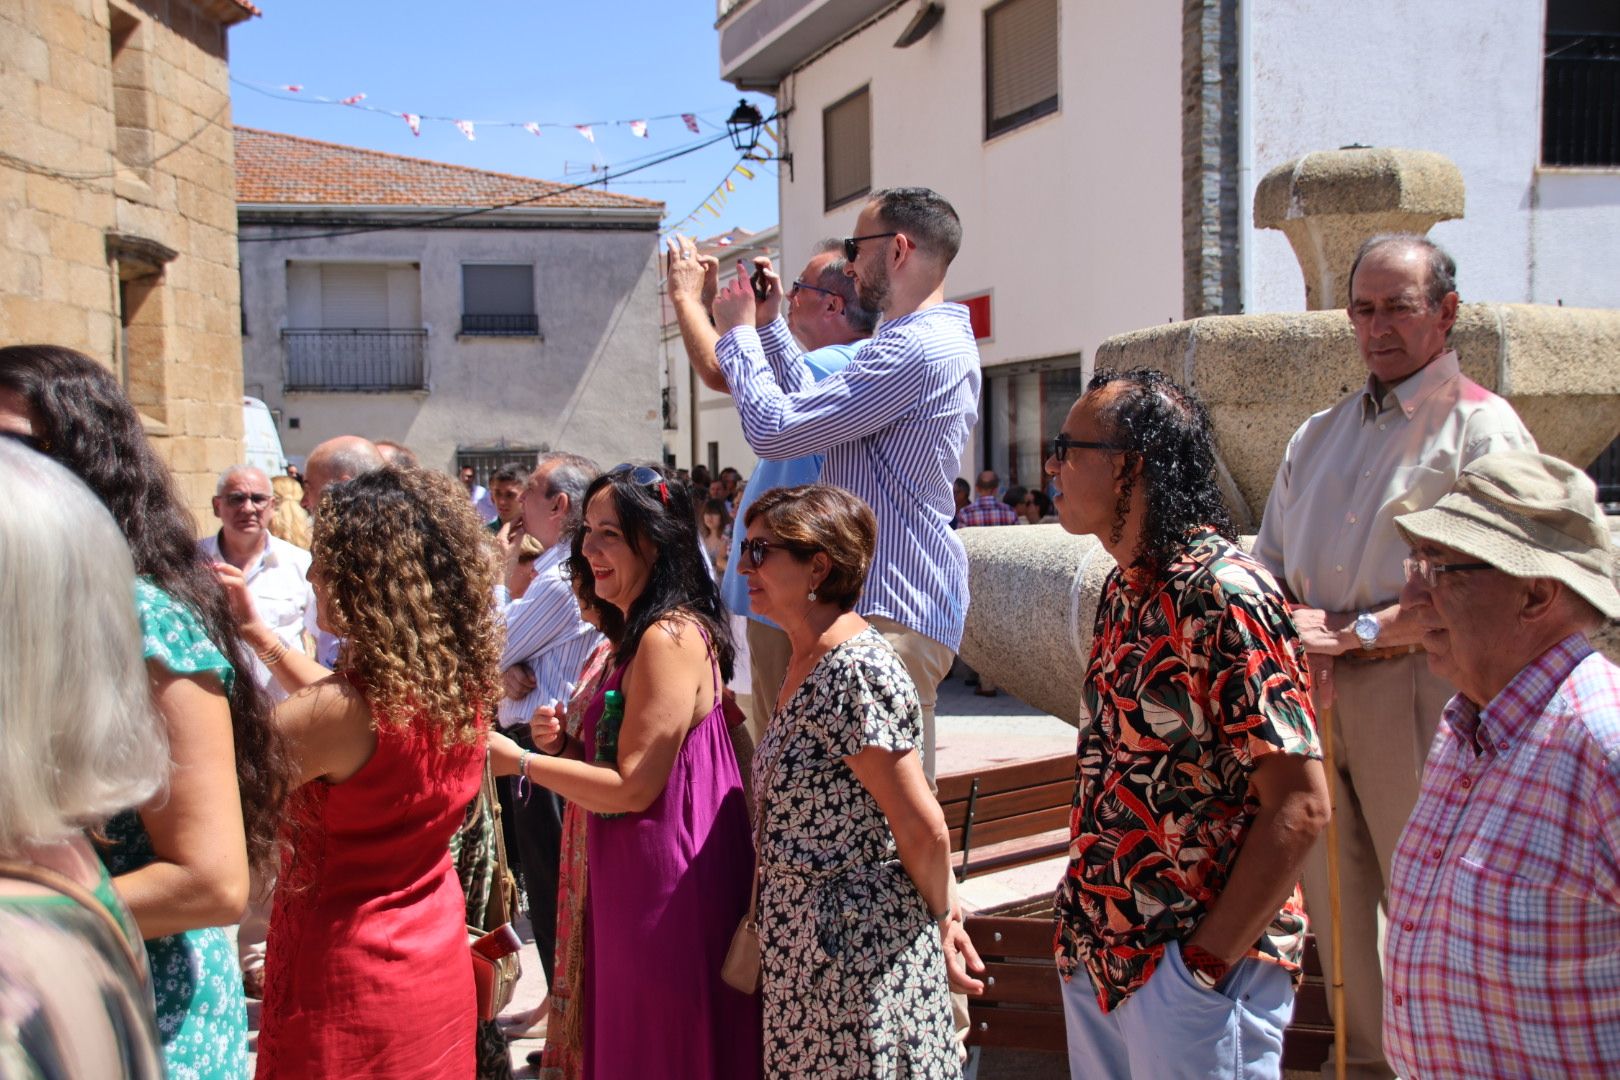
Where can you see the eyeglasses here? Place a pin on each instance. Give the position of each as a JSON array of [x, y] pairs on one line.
[[793, 290], [641, 474], [1428, 571], [257, 498], [852, 244], [1062, 444], [756, 549]]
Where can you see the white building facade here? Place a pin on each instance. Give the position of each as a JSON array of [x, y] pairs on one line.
[[480, 341], [1103, 154]]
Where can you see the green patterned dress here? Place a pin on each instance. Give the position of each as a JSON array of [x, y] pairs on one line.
[[201, 1013]]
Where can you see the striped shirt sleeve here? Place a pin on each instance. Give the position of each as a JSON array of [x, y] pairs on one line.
[[782, 353], [879, 385]]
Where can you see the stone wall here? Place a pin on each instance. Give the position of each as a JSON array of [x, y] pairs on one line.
[[118, 213]]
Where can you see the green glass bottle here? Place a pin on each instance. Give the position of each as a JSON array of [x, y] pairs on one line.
[[607, 732]]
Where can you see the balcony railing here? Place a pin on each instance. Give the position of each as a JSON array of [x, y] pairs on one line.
[[500, 325], [355, 359], [1580, 102]]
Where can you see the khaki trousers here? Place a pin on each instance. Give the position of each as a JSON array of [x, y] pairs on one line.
[[927, 662], [768, 653], [1384, 720]]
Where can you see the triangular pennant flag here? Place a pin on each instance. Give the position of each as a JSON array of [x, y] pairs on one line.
[[585, 130], [353, 99], [415, 121], [292, 88], [709, 206], [772, 133], [638, 128], [729, 185], [532, 128], [691, 123], [724, 241], [745, 171], [466, 128]]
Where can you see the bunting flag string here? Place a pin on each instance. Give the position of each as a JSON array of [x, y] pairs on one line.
[[639, 127], [716, 198]]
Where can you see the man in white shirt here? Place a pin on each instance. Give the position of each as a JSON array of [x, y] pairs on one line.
[[277, 572]]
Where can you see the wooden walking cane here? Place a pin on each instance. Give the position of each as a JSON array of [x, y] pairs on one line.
[[1324, 724]]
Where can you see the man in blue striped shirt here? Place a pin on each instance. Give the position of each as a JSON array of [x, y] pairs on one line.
[[893, 424], [826, 318], [547, 642]]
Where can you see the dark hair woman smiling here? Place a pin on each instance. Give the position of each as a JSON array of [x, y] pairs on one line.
[[668, 853]]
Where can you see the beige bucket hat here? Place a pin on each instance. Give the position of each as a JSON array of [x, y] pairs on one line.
[[1528, 515]]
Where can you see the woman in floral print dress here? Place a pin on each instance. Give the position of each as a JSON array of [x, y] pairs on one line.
[[180, 861], [856, 923]]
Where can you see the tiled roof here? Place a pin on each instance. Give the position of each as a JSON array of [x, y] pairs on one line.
[[287, 170]]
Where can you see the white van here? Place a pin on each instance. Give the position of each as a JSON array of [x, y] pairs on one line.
[[261, 443]]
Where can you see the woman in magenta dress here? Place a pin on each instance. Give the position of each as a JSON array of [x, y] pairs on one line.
[[670, 856], [368, 971]]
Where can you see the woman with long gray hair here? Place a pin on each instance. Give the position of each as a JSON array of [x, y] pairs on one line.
[[79, 742]]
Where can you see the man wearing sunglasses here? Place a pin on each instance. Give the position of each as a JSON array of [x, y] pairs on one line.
[[1393, 445], [893, 424], [277, 572], [828, 323]]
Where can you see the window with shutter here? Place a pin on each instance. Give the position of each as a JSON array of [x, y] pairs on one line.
[[846, 148], [1020, 63], [1580, 98], [354, 296], [498, 300]]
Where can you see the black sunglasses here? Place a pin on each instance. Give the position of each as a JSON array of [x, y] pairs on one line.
[[793, 290], [641, 474], [257, 498], [852, 244], [756, 549], [1062, 444]]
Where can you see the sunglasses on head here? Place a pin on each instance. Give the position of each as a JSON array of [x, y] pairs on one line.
[[641, 474]]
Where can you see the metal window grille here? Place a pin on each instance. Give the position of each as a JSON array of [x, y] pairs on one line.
[[1020, 63], [846, 148], [498, 300], [671, 421], [1580, 106], [485, 460]]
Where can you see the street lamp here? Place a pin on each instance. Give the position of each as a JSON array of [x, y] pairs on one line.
[[743, 125]]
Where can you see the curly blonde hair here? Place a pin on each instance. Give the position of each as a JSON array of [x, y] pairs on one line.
[[409, 574], [289, 522]]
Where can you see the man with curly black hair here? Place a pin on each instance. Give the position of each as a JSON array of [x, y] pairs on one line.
[[1179, 942]]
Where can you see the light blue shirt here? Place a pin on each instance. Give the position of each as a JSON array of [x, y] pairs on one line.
[[770, 474], [893, 425], [545, 631]]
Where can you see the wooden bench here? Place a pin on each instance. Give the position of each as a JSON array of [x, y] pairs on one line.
[[1008, 816], [1022, 1006]]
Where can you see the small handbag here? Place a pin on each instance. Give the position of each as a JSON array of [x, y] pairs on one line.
[[740, 970], [495, 955]]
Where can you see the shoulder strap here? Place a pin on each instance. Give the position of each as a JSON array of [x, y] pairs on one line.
[[61, 883], [714, 665]]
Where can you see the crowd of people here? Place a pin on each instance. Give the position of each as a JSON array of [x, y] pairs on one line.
[[342, 718]]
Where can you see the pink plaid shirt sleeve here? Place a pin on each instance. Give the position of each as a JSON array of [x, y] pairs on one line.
[[1503, 949], [987, 510]]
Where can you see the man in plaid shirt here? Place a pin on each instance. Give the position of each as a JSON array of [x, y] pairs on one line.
[[986, 507], [1502, 956]]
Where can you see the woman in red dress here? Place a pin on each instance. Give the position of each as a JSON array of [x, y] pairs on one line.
[[368, 970]]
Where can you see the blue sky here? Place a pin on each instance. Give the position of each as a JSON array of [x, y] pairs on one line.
[[508, 60]]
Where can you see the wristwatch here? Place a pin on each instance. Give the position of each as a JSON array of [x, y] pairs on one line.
[[1366, 628]]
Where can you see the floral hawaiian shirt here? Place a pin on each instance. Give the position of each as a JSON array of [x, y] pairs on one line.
[[1195, 674]]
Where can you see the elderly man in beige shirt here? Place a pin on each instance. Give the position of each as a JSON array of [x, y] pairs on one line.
[[1392, 447]]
